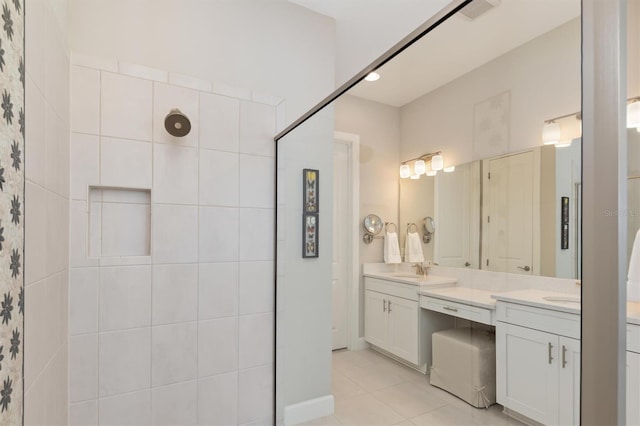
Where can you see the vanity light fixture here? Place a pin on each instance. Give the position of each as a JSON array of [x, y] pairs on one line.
[[633, 113], [551, 130], [449, 169], [437, 162], [405, 171], [420, 165], [372, 76], [550, 133]]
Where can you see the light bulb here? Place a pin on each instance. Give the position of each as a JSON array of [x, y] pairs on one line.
[[564, 144], [372, 76], [416, 176], [633, 115], [432, 173], [449, 169], [405, 171], [551, 133], [437, 162], [420, 167]]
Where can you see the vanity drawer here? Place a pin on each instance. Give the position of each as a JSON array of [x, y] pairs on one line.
[[393, 288], [460, 310], [633, 338], [556, 322]]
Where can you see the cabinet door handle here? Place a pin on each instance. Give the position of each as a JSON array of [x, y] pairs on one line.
[[467, 264], [389, 306], [384, 306], [449, 308], [525, 268], [550, 348], [564, 356]]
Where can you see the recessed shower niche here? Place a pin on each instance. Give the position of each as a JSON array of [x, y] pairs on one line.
[[119, 222]]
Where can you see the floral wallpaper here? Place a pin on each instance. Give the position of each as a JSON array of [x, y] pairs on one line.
[[12, 129]]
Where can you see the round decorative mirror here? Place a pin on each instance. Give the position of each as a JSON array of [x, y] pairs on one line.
[[429, 225], [429, 228], [372, 226]]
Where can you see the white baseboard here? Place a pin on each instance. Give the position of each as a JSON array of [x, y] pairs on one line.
[[308, 410]]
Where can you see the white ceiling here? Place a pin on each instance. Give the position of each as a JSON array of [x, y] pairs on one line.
[[453, 49]]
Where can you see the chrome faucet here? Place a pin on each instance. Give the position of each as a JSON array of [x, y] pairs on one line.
[[420, 270]]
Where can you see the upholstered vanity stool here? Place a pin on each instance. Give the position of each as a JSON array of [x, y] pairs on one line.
[[464, 364]]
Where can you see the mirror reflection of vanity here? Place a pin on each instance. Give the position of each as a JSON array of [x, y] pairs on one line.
[[503, 213]]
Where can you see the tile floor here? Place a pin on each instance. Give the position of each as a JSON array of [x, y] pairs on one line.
[[371, 389]]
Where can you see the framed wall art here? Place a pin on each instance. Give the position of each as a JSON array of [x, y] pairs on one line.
[[311, 190], [310, 235]]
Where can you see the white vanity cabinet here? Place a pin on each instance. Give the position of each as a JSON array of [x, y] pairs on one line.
[[391, 323], [538, 363], [633, 374], [394, 323]]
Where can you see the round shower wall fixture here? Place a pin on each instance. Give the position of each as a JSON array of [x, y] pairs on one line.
[[177, 124]]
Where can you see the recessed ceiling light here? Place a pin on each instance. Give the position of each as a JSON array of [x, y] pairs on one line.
[[372, 76]]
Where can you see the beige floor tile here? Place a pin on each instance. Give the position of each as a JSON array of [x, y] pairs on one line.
[[456, 415], [344, 360], [323, 421], [344, 388], [409, 399], [372, 379], [366, 410], [404, 423]]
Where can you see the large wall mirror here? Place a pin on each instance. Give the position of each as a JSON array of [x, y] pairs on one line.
[[516, 213]]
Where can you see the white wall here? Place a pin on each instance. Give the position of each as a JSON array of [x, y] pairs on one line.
[[543, 81], [378, 126], [303, 287], [270, 46], [47, 213]]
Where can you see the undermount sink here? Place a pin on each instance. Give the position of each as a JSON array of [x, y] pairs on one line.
[[408, 275], [569, 299]]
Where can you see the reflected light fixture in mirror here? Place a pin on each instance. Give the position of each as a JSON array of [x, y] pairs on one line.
[[405, 171], [437, 162], [550, 133], [633, 113], [449, 169], [431, 173], [564, 144]]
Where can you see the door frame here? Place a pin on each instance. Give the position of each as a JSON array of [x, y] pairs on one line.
[[352, 140]]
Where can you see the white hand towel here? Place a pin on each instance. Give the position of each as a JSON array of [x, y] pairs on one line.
[[413, 248], [633, 277], [391, 248]]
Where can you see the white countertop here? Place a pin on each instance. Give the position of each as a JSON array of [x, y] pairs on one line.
[[535, 298], [412, 278], [466, 295]]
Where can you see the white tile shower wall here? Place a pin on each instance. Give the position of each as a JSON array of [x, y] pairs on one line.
[[184, 336], [46, 218]]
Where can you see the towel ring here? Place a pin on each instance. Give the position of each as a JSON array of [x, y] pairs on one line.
[[415, 227], [388, 224]]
